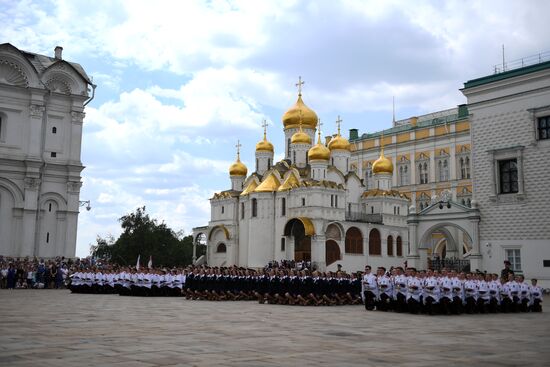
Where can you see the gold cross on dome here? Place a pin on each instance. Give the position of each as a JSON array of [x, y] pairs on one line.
[[319, 124], [338, 122], [265, 125], [299, 85], [238, 146]]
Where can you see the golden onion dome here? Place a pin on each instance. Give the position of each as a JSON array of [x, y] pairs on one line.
[[339, 143], [264, 145], [382, 165], [291, 118], [318, 152], [238, 169], [300, 137]]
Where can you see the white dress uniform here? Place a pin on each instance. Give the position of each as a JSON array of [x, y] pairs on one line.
[[414, 288], [494, 290], [369, 284], [385, 286], [524, 291], [483, 291], [446, 288], [431, 289], [470, 289], [536, 294]]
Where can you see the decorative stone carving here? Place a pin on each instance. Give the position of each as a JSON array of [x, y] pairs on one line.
[[58, 85], [77, 117], [36, 111], [445, 196], [12, 74], [74, 187], [32, 183]]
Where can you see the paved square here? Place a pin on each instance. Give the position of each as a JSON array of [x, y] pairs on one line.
[[56, 328]]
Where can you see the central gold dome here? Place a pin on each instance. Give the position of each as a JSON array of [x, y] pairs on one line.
[[291, 118], [382, 165]]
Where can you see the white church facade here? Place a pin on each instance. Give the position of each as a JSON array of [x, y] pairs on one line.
[[42, 102], [310, 206]]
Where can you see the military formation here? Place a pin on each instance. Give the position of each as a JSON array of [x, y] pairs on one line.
[[398, 290], [448, 292]]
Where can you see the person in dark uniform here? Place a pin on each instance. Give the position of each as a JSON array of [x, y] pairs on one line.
[[505, 273]]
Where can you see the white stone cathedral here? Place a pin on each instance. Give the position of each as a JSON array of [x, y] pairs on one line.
[[309, 206], [42, 102]]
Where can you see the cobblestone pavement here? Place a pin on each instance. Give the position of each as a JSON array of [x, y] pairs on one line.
[[56, 328]]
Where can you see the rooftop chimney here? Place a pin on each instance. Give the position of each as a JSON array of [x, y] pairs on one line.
[[58, 52]]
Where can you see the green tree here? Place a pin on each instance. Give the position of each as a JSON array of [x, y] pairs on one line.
[[145, 236]]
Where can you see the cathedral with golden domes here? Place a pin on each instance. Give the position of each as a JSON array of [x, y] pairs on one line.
[[310, 206]]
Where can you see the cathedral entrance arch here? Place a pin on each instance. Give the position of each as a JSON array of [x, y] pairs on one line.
[[301, 230], [445, 234]]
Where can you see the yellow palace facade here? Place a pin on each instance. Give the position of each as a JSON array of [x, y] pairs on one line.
[[431, 155]]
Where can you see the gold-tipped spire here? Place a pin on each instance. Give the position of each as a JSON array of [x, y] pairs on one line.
[[264, 145], [339, 142], [238, 168], [299, 85]]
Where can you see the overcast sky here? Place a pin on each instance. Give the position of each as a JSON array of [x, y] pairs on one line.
[[179, 82]]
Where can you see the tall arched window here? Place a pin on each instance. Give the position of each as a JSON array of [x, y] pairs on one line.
[[390, 245], [354, 241], [254, 207], [399, 246], [423, 172], [283, 206], [221, 248], [375, 246]]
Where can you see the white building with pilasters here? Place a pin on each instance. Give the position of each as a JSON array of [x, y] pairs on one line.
[[510, 131], [42, 102]]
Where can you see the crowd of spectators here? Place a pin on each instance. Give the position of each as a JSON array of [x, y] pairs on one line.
[[28, 272], [289, 265]]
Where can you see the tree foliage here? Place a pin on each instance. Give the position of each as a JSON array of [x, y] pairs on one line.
[[145, 236]]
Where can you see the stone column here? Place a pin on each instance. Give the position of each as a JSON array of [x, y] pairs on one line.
[[452, 162], [32, 186], [520, 172], [413, 258], [36, 118], [318, 251], [432, 167], [412, 169], [475, 257]]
